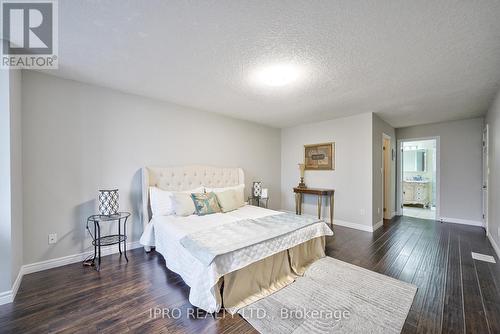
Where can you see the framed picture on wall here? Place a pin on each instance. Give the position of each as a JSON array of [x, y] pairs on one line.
[[319, 156]]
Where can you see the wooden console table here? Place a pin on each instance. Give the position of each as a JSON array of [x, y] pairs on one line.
[[299, 194]]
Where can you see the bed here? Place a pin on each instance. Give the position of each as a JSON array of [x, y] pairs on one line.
[[235, 278]]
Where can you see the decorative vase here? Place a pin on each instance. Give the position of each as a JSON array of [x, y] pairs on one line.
[[108, 202]]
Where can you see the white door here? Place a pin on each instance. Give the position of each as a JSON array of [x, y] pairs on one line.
[[486, 172]]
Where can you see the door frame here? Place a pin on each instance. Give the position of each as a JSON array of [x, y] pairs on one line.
[[399, 172], [390, 209], [486, 176]]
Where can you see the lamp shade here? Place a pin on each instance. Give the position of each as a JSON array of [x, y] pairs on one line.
[[108, 202], [257, 189]]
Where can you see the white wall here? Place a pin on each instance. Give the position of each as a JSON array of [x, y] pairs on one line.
[[493, 120], [16, 173], [352, 178], [5, 193], [11, 224], [78, 138], [380, 127], [461, 166]]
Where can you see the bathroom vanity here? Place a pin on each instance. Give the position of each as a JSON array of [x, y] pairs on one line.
[[417, 192]]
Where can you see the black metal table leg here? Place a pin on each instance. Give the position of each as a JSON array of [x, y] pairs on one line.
[[125, 238], [99, 246], [120, 232], [95, 242]]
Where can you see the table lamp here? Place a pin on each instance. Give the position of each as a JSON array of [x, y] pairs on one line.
[[108, 202], [302, 169]]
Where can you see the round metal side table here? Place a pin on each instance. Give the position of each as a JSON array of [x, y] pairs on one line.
[[258, 201], [107, 240]]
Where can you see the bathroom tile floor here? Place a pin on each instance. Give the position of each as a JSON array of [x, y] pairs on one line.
[[419, 213]]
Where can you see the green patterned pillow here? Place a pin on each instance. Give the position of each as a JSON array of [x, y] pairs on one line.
[[205, 203]]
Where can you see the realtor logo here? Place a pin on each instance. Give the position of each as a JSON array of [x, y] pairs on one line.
[[29, 34]]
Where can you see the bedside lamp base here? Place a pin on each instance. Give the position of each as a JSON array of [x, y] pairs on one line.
[[302, 184]]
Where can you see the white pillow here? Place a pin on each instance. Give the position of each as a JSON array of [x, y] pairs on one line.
[[229, 200], [183, 204], [240, 192], [162, 203]]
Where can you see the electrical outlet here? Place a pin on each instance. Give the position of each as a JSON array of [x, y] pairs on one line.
[[378, 210], [52, 238]]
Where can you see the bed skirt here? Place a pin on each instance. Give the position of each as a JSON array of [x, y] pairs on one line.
[[264, 277]]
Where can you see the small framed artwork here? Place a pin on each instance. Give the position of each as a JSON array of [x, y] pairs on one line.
[[319, 156]]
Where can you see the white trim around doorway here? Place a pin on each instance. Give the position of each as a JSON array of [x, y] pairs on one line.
[[399, 171], [382, 170], [486, 176]]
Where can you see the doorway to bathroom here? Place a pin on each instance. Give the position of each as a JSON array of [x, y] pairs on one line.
[[419, 178]]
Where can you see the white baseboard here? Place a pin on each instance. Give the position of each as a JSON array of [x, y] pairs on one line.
[[62, 261], [17, 282], [394, 214], [8, 296], [353, 225], [494, 244], [461, 221]]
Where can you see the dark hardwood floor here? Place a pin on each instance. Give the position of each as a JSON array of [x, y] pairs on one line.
[[456, 294]]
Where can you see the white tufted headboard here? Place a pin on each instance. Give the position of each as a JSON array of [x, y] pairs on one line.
[[185, 178]]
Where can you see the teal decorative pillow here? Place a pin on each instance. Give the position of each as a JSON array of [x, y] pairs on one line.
[[205, 203]]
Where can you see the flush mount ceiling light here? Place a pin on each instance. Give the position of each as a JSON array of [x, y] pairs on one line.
[[277, 75]]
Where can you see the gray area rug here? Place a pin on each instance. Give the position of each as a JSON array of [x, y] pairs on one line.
[[334, 297]]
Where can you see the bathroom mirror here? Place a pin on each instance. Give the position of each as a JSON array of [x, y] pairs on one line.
[[414, 161]]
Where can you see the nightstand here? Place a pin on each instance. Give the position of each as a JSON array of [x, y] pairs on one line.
[[258, 201], [107, 240]]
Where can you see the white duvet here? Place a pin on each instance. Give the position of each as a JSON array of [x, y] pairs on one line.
[[165, 233]]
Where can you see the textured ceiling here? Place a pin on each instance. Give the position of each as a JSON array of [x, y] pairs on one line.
[[411, 62]]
